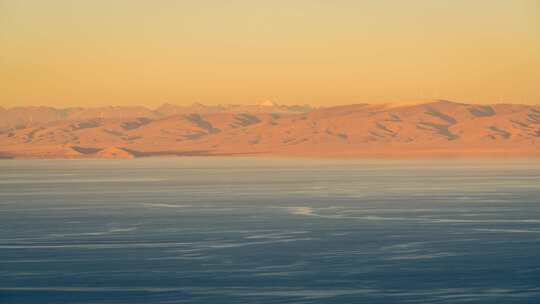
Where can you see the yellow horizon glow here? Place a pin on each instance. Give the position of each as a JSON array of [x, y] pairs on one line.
[[95, 53]]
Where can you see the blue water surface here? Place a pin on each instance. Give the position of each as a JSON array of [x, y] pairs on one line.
[[253, 230]]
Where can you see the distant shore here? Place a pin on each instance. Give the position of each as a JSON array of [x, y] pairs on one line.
[[478, 154], [427, 129]]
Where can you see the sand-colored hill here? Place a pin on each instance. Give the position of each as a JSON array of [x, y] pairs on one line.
[[113, 152], [428, 128]]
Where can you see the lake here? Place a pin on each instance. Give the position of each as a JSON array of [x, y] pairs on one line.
[[256, 230]]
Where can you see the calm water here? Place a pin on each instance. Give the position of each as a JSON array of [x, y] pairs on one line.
[[218, 230]]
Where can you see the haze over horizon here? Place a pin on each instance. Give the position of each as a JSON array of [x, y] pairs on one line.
[[80, 53], [265, 105]]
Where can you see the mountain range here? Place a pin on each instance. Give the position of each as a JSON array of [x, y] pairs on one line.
[[418, 129]]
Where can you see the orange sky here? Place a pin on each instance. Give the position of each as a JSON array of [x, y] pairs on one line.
[[129, 52]]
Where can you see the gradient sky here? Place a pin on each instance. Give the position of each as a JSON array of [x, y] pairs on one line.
[[128, 52]]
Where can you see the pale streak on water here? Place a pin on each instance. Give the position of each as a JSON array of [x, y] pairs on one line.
[[241, 230]]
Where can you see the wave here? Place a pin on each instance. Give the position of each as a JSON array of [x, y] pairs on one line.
[[110, 231], [161, 205], [309, 211], [422, 256], [96, 245], [79, 181], [509, 230], [93, 289], [310, 293], [274, 241], [276, 235]]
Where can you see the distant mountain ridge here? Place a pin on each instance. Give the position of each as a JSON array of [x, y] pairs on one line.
[[420, 129], [22, 116]]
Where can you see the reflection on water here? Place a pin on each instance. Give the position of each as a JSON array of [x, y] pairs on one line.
[[241, 230]]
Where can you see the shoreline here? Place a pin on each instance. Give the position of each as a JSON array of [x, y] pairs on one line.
[[406, 155]]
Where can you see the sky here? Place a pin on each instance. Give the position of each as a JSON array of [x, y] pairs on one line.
[[130, 52]]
